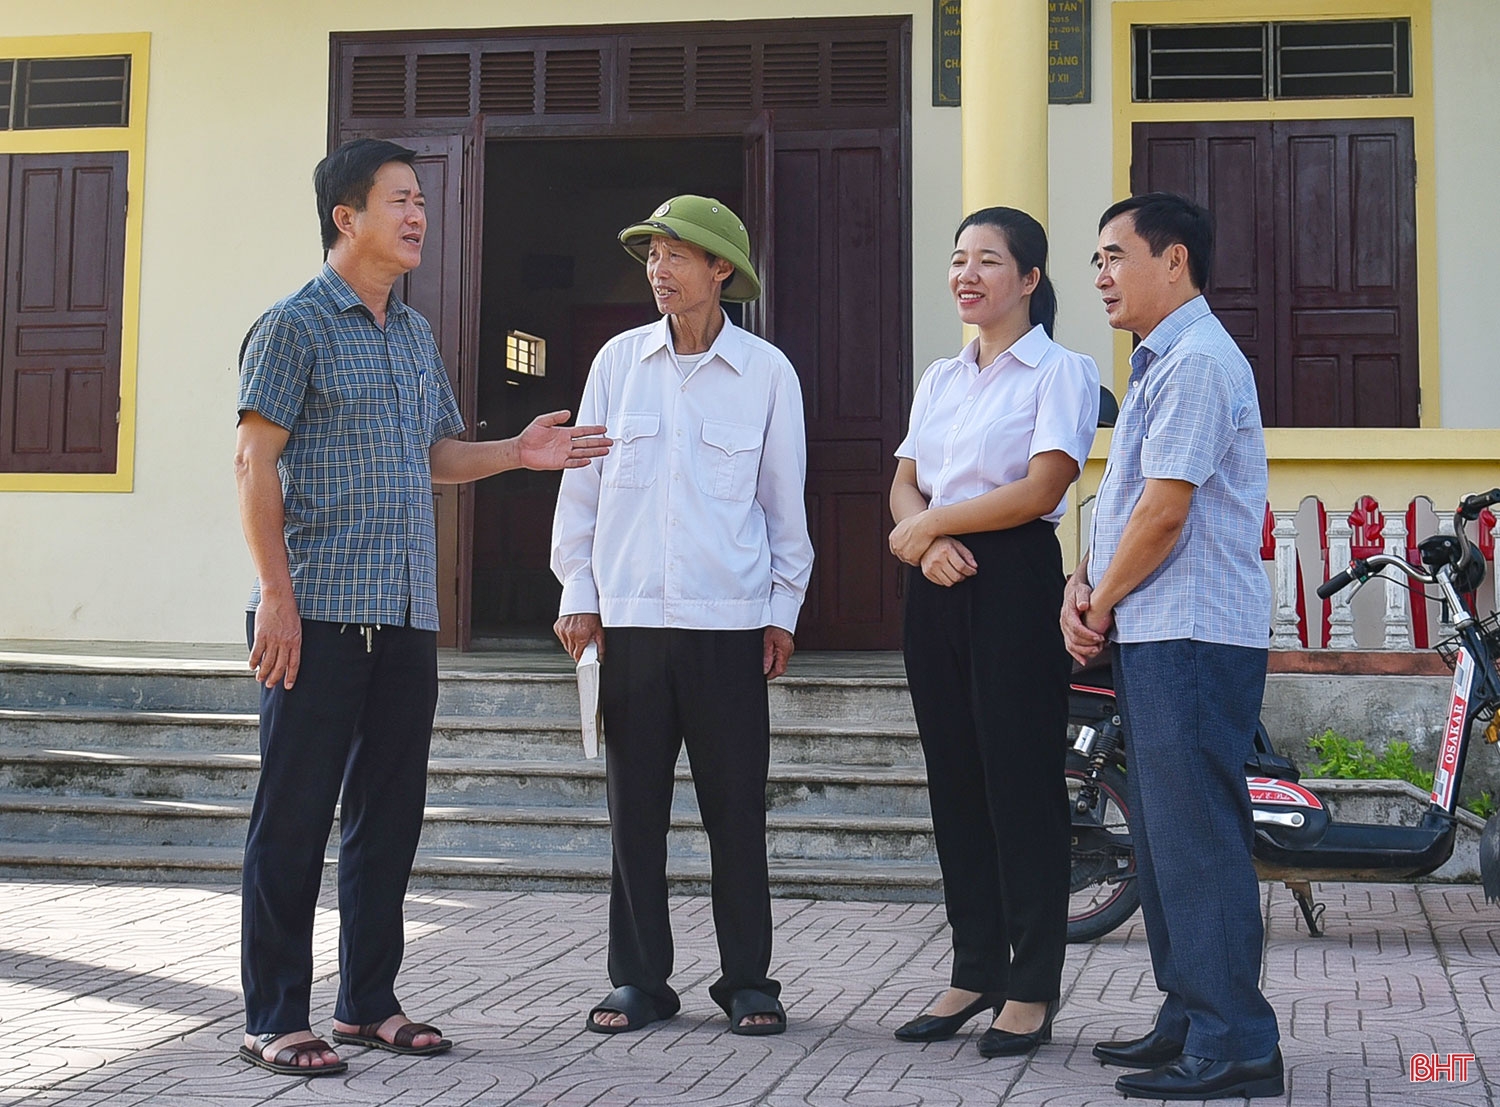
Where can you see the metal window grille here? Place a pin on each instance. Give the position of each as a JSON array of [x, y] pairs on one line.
[[1318, 60], [1272, 61], [1202, 62], [43, 93]]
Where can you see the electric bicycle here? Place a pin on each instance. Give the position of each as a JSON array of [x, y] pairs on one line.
[[1297, 840]]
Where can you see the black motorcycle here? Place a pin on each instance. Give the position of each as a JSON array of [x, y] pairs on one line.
[[1297, 841]]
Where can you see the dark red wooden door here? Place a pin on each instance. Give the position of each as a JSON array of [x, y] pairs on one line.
[[449, 169], [759, 212], [1346, 354], [63, 250], [1226, 167], [1315, 257], [832, 180], [840, 307]]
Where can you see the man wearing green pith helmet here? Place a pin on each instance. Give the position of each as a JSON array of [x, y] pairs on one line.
[[684, 556]]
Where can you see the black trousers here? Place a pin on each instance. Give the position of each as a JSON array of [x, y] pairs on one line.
[[358, 719], [657, 688], [988, 674]]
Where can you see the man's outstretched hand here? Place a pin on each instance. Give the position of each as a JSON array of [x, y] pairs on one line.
[[547, 444]]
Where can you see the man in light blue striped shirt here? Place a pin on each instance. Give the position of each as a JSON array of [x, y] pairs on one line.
[[1174, 577]]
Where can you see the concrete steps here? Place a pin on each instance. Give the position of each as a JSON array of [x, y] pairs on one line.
[[479, 828], [527, 738], [892, 880], [112, 766]]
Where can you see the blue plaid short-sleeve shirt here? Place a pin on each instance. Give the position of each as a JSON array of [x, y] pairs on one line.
[[363, 406], [1191, 413]]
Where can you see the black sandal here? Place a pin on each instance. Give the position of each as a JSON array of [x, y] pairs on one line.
[[639, 1009], [285, 1061], [747, 1002]]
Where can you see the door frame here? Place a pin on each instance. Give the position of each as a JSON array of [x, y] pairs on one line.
[[386, 110]]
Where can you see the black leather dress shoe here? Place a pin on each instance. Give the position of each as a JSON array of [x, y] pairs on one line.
[[1191, 1077], [1145, 1052], [1005, 1043], [939, 1028]]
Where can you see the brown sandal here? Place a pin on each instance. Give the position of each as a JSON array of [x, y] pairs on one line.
[[285, 1061], [369, 1035]]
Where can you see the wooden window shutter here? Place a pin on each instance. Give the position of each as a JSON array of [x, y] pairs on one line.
[[507, 83], [442, 85], [377, 86], [60, 321], [657, 79]]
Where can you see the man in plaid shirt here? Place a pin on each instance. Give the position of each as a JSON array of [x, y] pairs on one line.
[[346, 419]]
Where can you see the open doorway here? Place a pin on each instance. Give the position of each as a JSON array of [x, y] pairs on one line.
[[553, 270]]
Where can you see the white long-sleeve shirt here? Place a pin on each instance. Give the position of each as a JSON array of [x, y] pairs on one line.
[[695, 519]]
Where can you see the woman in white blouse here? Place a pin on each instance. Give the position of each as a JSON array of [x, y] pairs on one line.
[[997, 435]]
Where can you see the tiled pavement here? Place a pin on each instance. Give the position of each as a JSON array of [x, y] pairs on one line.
[[128, 994]]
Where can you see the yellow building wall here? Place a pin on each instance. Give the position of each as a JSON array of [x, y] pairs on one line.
[[237, 117]]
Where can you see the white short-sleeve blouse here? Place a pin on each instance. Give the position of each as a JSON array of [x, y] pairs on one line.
[[974, 430]]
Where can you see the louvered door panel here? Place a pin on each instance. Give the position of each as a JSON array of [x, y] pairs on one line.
[[860, 73], [791, 75], [723, 77], [813, 73], [442, 86], [573, 82], [657, 78], [377, 86], [507, 83]]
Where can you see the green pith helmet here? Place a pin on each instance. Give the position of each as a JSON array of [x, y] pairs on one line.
[[707, 223]]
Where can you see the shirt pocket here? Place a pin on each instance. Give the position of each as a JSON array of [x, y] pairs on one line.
[[1005, 446], [633, 460], [728, 459]]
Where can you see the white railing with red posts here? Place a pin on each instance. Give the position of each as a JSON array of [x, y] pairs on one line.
[[1304, 547]]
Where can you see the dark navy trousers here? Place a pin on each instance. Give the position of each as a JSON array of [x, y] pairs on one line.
[[358, 720], [658, 688], [1190, 710]]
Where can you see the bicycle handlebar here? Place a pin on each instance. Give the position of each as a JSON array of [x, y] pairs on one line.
[[1341, 581], [1471, 506], [1363, 568]]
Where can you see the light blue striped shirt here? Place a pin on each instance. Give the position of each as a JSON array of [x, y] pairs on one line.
[[1191, 413]]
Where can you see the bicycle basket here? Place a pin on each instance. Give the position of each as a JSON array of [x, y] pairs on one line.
[[1489, 631]]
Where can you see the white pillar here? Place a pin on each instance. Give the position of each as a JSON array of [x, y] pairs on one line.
[[1284, 627], [1340, 617]]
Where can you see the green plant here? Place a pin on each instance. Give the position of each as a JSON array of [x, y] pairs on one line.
[[1349, 759], [1482, 805]]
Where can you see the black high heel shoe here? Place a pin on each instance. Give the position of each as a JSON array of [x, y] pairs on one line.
[[1004, 1043], [939, 1028]]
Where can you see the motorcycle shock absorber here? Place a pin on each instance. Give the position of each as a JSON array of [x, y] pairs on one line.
[[1099, 745]]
